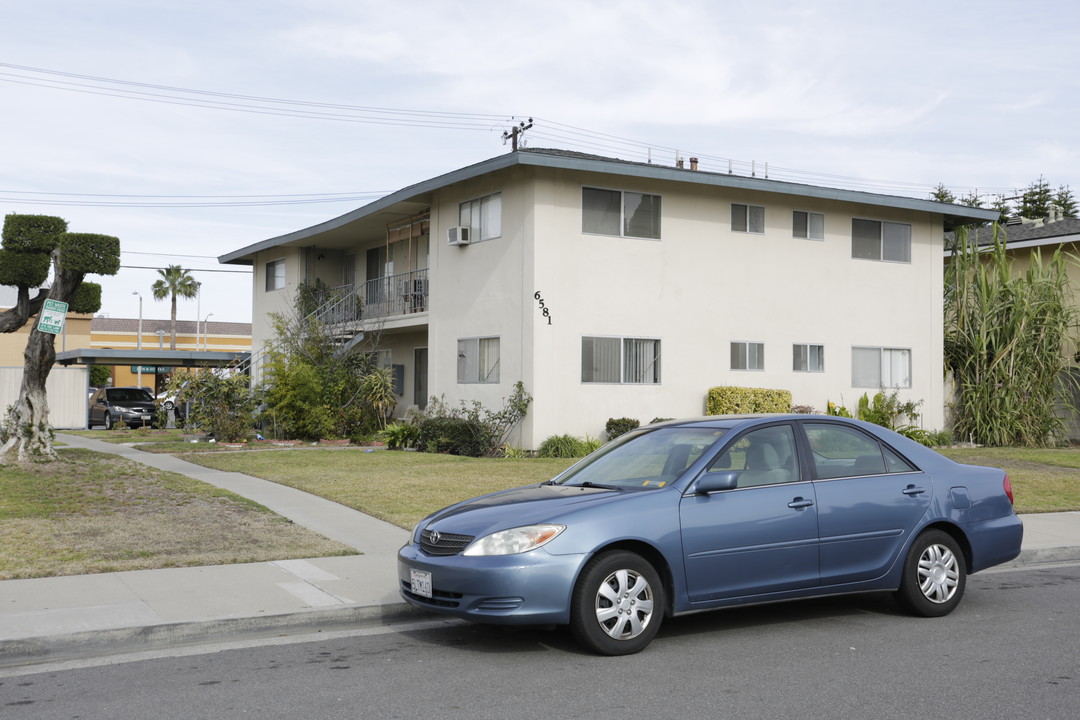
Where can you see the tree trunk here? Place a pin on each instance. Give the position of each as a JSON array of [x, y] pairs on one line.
[[172, 343], [29, 434]]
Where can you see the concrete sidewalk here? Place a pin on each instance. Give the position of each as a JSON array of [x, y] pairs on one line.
[[49, 619]]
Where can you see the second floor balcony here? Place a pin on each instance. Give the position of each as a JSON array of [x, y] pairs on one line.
[[390, 297]]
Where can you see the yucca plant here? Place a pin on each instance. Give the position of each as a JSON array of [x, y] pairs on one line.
[[1009, 339]]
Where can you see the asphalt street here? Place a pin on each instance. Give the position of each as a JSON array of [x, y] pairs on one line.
[[1009, 651]]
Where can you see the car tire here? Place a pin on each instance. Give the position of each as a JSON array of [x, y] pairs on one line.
[[108, 421], [617, 605], [935, 575], [168, 405]]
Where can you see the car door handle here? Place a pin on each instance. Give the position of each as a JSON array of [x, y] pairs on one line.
[[912, 490], [800, 503]]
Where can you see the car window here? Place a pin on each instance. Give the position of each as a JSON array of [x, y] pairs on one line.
[[128, 395], [644, 459], [761, 457], [846, 452]]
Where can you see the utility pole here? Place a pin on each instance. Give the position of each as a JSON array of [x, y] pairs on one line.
[[515, 132]]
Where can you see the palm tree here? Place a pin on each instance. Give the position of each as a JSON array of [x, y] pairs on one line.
[[174, 281]]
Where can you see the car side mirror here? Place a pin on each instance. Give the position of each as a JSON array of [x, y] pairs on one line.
[[712, 482]]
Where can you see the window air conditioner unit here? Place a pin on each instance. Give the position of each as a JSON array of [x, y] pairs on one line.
[[457, 236]]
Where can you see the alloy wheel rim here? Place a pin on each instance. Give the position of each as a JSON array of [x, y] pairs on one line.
[[624, 604], [939, 574]]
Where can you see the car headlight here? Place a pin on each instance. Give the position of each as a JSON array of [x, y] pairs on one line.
[[515, 540]]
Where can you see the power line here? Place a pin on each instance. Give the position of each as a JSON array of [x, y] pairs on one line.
[[213, 270], [569, 136]]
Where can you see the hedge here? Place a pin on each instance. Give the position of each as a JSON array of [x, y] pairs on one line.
[[741, 401], [24, 268], [90, 253], [32, 233], [457, 436], [620, 426]]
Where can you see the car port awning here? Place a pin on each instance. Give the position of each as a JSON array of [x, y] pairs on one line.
[[160, 358]]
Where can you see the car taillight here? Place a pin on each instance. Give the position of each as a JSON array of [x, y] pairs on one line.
[[1008, 490]]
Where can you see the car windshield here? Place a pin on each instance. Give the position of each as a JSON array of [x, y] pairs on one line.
[[644, 459], [128, 395]]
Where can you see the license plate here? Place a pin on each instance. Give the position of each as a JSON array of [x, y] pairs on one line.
[[421, 582], [145, 417]]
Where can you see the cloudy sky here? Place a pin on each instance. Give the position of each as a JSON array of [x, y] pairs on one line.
[[190, 129]]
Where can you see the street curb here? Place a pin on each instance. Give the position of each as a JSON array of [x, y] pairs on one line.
[[1042, 556], [117, 641]]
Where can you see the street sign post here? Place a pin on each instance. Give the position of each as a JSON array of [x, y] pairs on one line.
[[52, 317]]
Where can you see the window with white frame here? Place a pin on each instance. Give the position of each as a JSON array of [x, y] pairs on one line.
[[747, 356], [275, 275], [883, 241], [747, 218], [625, 214], [808, 358], [381, 358], [807, 225], [478, 360], [483, 217], [620, 360], [878, 367]]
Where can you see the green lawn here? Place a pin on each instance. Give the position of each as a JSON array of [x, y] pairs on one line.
[[399, 487], [1043, 480], [404, 487], [100, 513]]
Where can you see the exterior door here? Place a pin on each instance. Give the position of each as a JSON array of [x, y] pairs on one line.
[[869, 500], [759, 537], [420, 381]]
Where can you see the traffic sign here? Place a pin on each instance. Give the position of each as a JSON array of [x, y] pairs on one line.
[[52, 317]]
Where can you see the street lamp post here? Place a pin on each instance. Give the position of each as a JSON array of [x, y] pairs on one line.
[[138, 341], [205, 331]]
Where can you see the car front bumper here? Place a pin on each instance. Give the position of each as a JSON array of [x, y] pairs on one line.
[[531, 588], [135, 419]]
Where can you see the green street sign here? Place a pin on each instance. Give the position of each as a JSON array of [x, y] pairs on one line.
[[52, 317], [152, 369]]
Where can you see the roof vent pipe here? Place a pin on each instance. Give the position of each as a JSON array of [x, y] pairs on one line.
[[693, 163], [678, 161]]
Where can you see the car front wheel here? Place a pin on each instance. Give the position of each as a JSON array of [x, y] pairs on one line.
[[617, 605], [108, 421], [934, 575]]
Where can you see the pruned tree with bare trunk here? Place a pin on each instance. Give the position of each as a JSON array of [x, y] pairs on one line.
[[34, 245]]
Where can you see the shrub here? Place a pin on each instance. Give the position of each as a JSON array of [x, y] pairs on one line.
[[399, 436], [659, 420], [454, 435], [739, 401], [488, 429], [620, 426], [561, 446]]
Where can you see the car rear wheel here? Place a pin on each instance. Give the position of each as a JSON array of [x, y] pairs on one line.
[[934, 575], [617, 605], [168, 404], [108, 421]]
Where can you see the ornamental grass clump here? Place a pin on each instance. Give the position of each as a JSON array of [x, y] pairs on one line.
[[1009, 341]]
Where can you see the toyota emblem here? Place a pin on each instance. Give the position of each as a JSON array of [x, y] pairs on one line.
[[434, 537]]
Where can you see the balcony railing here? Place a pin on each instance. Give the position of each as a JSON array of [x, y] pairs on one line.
[[400, 294]]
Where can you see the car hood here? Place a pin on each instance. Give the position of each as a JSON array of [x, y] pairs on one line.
[[515, 508]]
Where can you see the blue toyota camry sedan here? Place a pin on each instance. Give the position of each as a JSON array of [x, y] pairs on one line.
[[693, 515]]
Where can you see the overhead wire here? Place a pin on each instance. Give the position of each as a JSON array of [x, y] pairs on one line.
[[569, 136]]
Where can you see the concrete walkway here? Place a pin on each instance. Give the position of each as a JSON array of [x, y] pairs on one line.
[[48, 619]]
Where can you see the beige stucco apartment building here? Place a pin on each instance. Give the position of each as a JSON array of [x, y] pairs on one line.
[[619, 289]]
